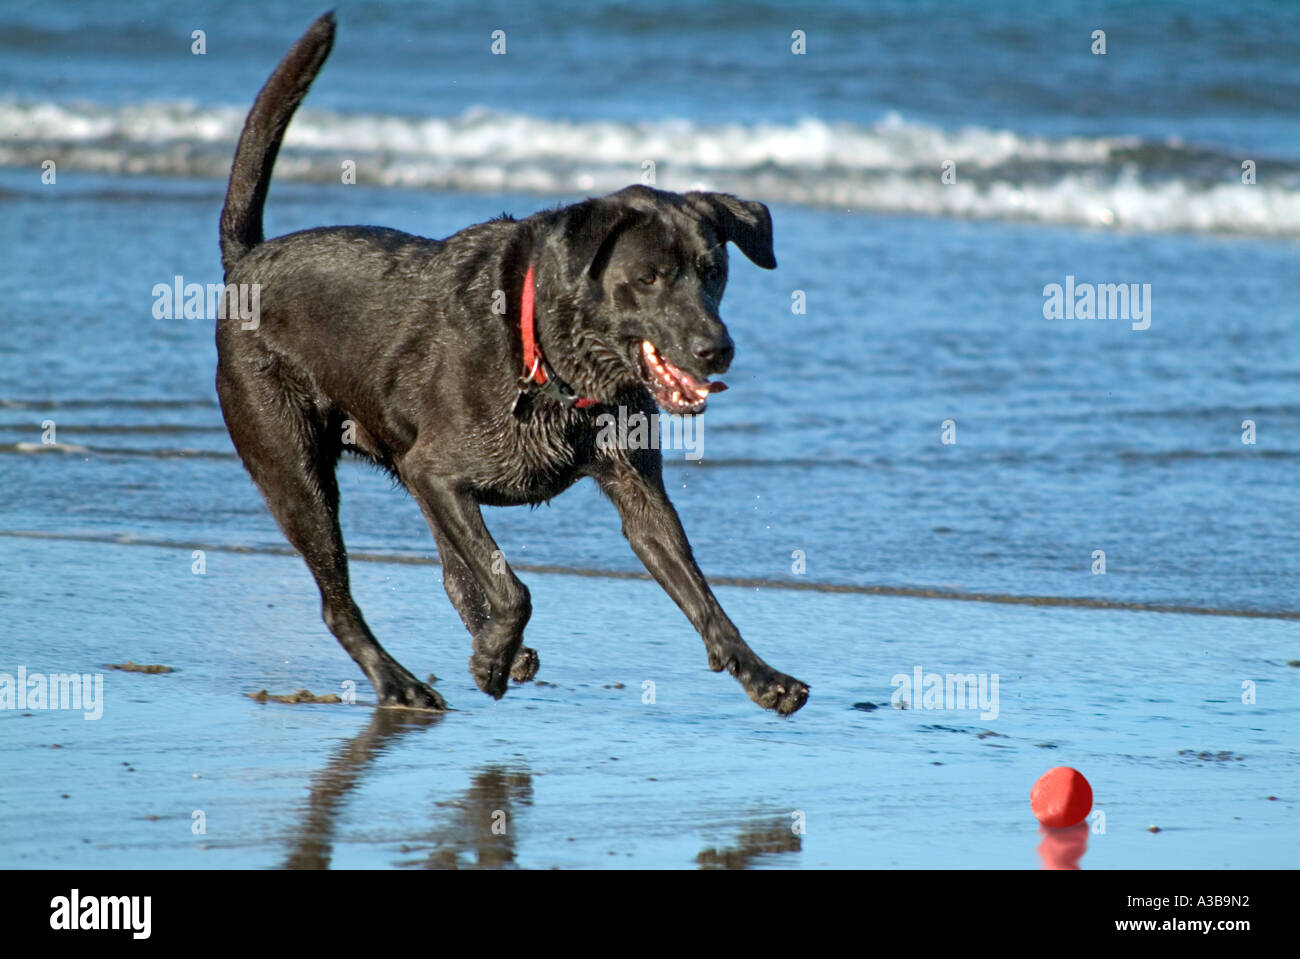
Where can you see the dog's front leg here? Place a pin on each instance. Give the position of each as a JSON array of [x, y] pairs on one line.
[[464, 540], [651, 525], [472, 604]]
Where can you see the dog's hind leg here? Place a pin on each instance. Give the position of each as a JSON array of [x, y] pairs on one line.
[[291, 451], [472, 605]]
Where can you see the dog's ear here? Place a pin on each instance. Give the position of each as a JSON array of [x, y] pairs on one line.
[[746, 223], [589, 230]]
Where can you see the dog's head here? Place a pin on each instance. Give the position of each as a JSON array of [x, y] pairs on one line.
[[639, 277]]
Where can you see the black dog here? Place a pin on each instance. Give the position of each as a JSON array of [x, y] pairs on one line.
[[474, 369]]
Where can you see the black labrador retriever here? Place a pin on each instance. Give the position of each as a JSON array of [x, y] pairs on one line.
[[474, 369]]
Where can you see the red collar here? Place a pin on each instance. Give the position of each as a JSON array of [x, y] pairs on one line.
[[535, 367]]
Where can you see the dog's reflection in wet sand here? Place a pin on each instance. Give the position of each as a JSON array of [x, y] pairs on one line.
[[478, 835]]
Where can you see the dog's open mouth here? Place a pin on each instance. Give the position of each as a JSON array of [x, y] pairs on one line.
[[674, 389]]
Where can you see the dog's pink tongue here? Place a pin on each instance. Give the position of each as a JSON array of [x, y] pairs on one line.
[[694, 385], [690, 384]]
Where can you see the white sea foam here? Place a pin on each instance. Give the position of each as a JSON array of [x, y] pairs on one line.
[[892, 166]]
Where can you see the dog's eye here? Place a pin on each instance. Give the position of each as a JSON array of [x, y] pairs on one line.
[[648, 278]]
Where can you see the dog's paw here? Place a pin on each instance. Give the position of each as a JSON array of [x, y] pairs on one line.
[[490, 675], [525, 665], [779, 692], [411, 694]]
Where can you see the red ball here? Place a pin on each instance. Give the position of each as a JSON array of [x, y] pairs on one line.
[[1061, 798]]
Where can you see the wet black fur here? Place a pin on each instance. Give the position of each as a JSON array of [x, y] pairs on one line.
[[391, 341]]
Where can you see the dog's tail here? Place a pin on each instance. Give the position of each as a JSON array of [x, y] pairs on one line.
[[250, 174]]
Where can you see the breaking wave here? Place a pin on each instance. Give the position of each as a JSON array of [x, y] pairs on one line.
[[893, 166]]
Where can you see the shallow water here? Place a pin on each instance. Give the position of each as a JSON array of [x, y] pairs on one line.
[[1071, 436]]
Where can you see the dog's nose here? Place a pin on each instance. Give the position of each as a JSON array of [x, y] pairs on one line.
[[715, 353]]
